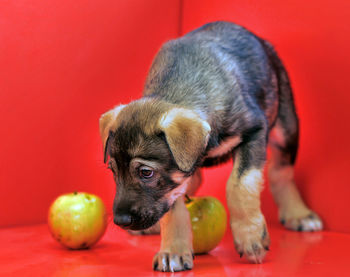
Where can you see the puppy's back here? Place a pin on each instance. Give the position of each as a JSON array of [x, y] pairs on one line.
[[215, 68]]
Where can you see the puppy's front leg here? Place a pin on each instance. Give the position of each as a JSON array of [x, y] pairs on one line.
[[243, 199], [176, 252]]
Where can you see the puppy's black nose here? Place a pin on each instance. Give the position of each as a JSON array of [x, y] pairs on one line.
[[123, 220]]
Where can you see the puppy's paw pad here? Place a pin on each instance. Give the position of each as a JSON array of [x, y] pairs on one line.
[[171, 262], [309, 223]]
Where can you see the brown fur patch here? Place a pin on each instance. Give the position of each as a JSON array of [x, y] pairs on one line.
[[187, 136], [108, 123]]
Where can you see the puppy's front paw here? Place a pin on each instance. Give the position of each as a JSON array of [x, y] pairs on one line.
[[303, 222], [172, 262], [251, 240]]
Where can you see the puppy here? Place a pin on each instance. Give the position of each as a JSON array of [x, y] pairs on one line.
[[217, 93]]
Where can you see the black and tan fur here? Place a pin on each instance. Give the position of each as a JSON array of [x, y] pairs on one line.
[[212, 95]]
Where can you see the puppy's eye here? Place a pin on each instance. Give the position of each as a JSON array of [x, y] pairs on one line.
[[146, 172]]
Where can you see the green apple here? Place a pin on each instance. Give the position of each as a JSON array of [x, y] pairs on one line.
[[209, 220], [77, 220]]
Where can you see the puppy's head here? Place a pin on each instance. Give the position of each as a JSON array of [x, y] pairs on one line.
[[152, 148]]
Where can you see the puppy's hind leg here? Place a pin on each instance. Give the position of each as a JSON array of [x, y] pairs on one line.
[[293, 212]]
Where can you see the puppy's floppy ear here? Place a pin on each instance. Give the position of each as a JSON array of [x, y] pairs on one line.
[[108, 126], [186, 134]]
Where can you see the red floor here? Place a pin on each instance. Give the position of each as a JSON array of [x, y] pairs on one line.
[[30, 251]]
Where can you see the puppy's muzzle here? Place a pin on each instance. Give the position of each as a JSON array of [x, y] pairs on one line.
[[130, 216], [125, 219], [132, 221]]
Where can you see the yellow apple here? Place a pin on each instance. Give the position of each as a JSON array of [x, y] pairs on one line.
[[209, 220], [77, 220]]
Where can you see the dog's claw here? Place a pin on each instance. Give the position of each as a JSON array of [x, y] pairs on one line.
[[304, 223], [252, 245], [155, 265], [168, 262]]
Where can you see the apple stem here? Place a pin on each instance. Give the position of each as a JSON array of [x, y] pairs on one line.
[[188, 199], [75, 193]]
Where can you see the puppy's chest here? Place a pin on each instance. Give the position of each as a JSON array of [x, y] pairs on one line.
[[225, 147]]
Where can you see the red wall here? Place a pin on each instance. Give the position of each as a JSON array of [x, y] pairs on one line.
[[64, 62], [312, 38]]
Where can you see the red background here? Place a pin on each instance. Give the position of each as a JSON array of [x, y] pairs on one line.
[[63, 63]]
